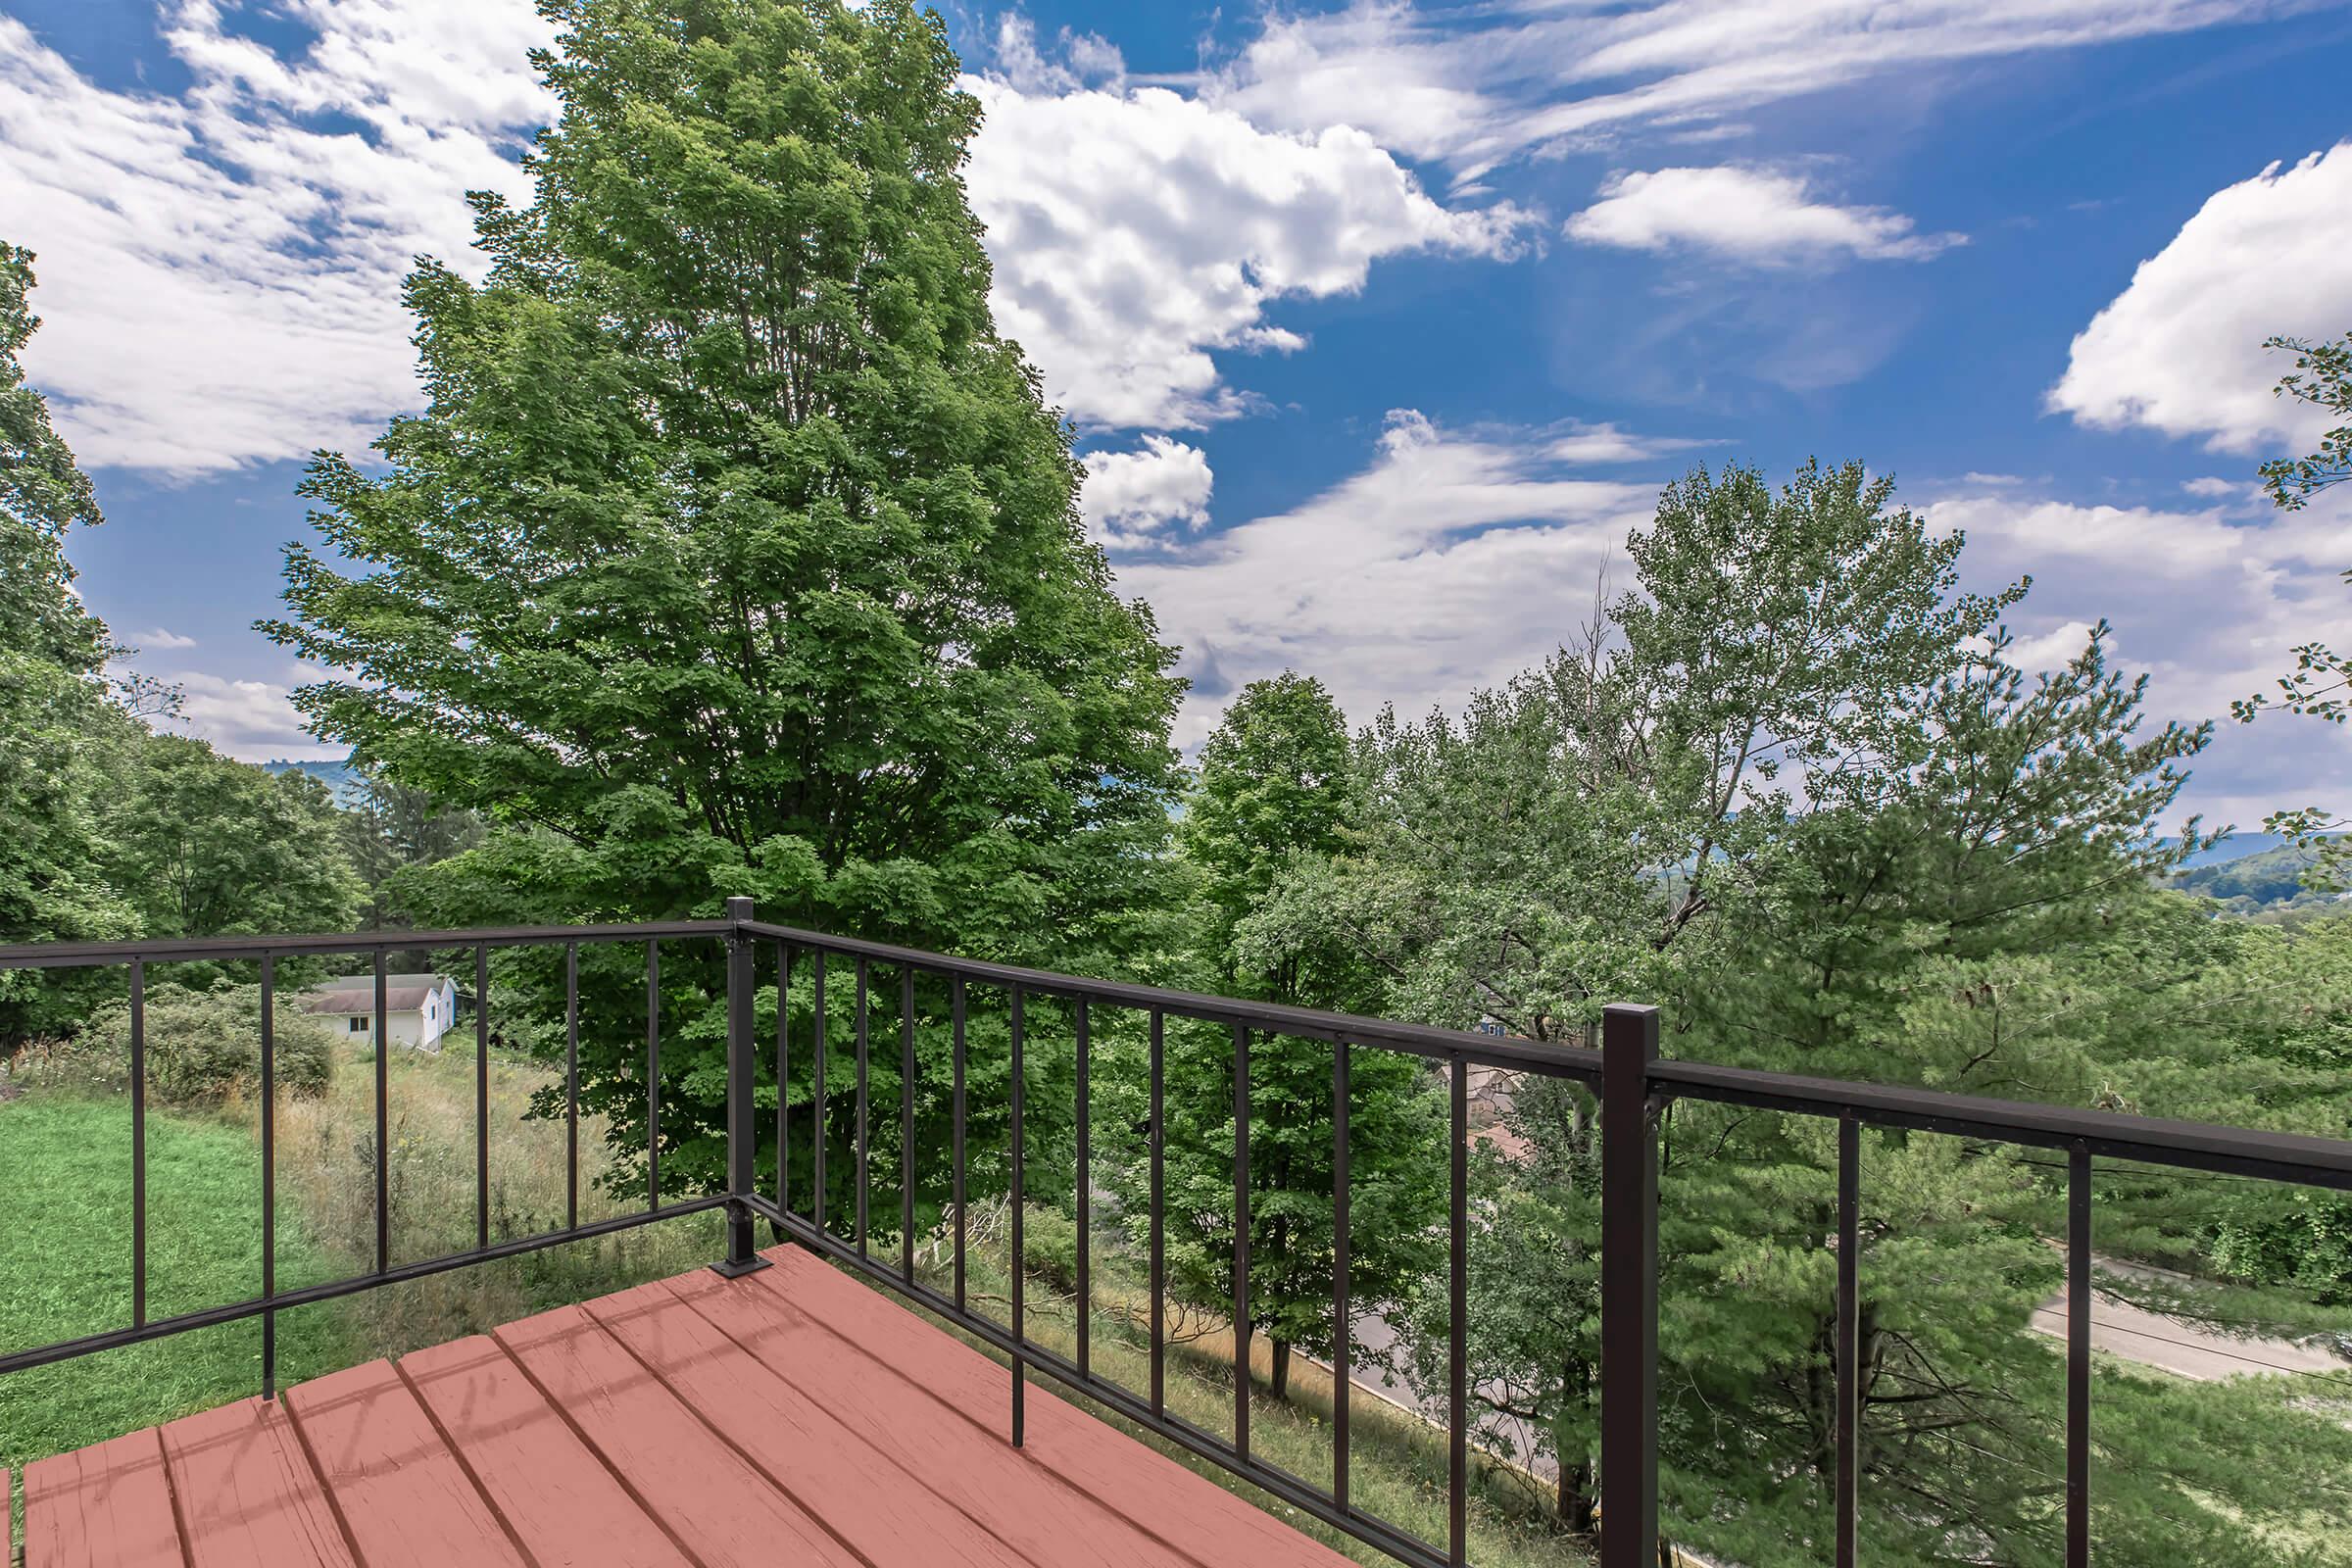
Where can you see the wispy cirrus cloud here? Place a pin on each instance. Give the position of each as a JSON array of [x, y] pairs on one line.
[[1760, 217], [219, 269], [1474, 87]]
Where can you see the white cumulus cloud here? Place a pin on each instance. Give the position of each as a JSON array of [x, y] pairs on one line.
[[2180, 350], [1453, 560], [1137, 235], [1142, 497], [252, 720], [1750, 215]]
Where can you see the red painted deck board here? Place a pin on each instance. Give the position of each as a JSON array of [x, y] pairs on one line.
[[108, 1506], [886, 1515], [1020, 1500], [403, 1495], [724, 1510], [548, 1485], [246, 1492], [794, 1418], [1209, 1523]]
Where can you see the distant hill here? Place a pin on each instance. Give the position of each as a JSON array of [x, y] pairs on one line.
[[2268, 879], [339, 777], [2237, 847]]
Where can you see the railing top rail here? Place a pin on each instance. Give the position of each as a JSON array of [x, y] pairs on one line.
[[2271, 1156], [90, 955], [1503, 1051]]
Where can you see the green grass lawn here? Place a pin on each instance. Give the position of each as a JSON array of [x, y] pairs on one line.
[[66, 1228], [65, 1270]]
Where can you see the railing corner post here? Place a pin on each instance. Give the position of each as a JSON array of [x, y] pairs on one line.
[[1628, 1290], [742, 1123]]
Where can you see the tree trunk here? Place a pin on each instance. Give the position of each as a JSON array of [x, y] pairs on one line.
[[1282, 1368], [1575, 1498]]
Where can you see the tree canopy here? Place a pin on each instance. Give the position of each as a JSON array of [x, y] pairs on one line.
[[735, 551], [1792, 788]]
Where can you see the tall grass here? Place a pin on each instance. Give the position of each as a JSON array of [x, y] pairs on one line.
[[1398, 1463], [66, 1238]]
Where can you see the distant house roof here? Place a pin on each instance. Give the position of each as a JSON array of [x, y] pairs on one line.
[[405, 994], [366, 982]]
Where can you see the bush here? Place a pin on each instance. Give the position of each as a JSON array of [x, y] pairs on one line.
[[203, 1047]]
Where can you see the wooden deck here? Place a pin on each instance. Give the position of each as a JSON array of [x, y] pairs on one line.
[[792, 1416]]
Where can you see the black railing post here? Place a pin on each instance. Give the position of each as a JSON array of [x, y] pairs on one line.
[[742, 1118], [1628, 1291]]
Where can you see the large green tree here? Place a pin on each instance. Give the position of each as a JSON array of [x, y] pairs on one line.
[[736, 552], [60, 734], [1792, 789], [1274, 786], [207, 846]]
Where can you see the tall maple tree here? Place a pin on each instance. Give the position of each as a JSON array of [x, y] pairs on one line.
[[736, 552]]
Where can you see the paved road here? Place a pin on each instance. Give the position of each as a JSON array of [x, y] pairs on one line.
[[2184, 1348]]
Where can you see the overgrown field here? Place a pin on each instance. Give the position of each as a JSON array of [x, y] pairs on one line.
[[65, 1242]]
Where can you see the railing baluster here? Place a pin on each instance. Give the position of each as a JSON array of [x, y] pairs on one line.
[[1086, 1278], [1458, 1319], [1240, 1241], [138, 1143], [956, 1018], [865, 1175], [1159, 1237], [653, 1075], [572, 1086], [906, 1122], [269, 1174], [2078, 1356], [1020, 1269], [1341, 1312], [383, 1122], [1849, 1332], [816, 1148], [481, 1096], [784, 1077], [1628, 1291]]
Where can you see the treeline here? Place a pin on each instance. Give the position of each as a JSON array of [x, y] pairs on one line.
[[109, 830]]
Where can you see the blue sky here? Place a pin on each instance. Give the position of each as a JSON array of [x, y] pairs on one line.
[[1381, 324]]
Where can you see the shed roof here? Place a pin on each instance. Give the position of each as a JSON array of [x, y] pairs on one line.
[[407, 997]]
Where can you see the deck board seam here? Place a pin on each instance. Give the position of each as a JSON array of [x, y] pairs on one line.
[[596, 1450], [988, 1429], [327, 1489], [179, 1521], [978, 1523], [758, 1465], [449, 1443]]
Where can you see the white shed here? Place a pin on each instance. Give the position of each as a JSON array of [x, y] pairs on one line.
[[419, 1008]]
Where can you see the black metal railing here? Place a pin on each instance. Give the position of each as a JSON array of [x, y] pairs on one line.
[[1631, 1081]]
